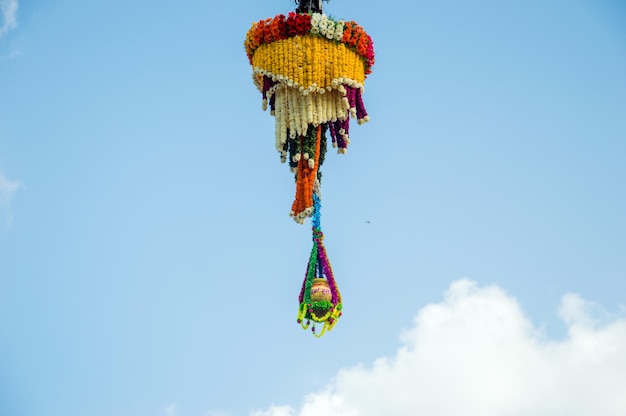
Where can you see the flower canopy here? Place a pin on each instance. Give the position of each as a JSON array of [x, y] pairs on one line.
[[280, 28], [310, 70]]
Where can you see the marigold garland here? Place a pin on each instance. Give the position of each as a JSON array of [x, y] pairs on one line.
[[316, 24], [310, 70]]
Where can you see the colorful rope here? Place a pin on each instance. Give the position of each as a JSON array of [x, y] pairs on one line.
[[319, 267]]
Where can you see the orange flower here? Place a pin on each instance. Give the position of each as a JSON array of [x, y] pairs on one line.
[[305, 179], [258, 34], [354, 36], [267, 33], [347, 32], [279, 27], [362, 45]]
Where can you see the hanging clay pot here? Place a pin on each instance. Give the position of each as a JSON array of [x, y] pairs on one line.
[[320, 292]]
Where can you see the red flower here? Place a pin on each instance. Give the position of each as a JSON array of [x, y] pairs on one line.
[[370, 52], [291, 26], [279, 27], [303, 24]]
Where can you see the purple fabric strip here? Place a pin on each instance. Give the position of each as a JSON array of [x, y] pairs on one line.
[[361, 112], [352, 96], [338, 126], [333, 133]]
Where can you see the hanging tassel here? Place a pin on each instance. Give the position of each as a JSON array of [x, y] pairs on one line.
[[307, 157]]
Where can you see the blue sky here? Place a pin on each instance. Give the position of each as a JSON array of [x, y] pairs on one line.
[[148, 265]]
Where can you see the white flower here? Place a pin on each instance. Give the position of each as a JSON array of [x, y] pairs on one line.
[[330, 32], [339, 29], [323, 24], [324, 21]]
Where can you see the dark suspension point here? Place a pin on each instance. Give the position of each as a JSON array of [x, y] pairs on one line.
[[306, 6]]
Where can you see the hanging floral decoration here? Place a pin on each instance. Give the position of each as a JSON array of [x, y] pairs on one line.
[[310, 70]]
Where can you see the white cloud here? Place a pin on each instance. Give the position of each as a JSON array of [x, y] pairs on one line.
[[7, 189], [275, 411], [576, 311], [477, 354], [8, 14], [216, 413], [170, 410]]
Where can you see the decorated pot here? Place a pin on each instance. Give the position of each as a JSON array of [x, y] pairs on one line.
[[320, 291]]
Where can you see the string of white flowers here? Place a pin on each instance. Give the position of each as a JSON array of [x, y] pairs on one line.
[[295, 112], [322, 25], [335, 83]]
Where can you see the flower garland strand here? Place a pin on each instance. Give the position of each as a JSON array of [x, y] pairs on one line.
[[307, 156]]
